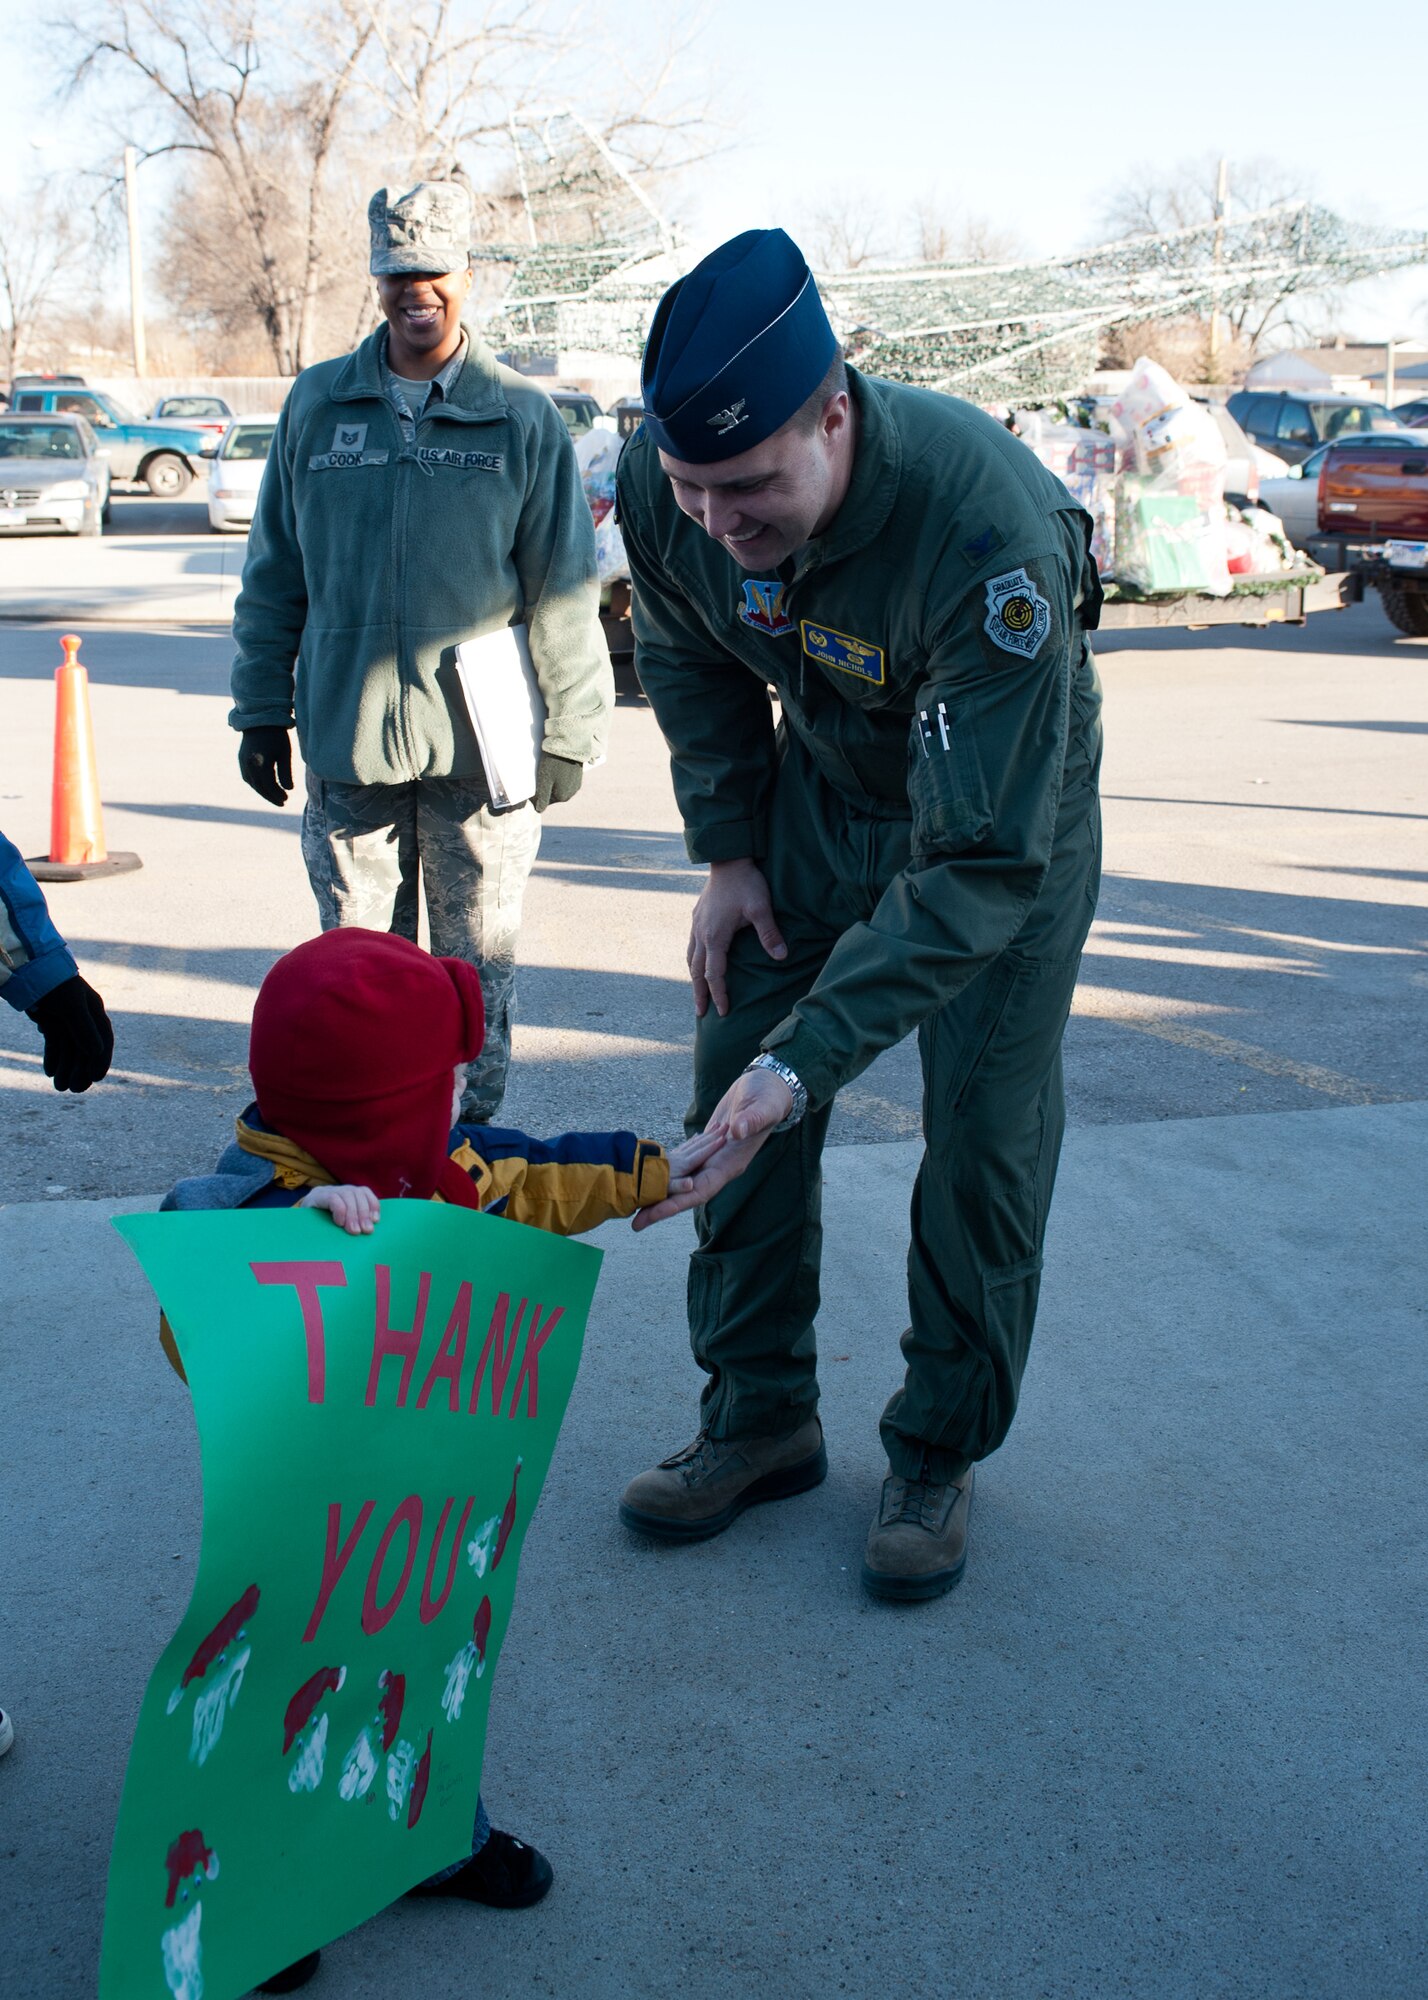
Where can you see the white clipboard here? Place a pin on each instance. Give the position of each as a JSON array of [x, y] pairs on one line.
[[507, 710]]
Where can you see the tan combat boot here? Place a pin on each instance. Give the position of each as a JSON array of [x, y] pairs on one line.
[[917, 1546], [705, 1487]]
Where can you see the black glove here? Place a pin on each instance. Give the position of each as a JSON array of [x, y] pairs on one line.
[[557, 779], [265, 758], [78, 1037]]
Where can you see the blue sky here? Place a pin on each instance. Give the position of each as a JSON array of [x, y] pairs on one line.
[[1027, 113], [1024, 114]]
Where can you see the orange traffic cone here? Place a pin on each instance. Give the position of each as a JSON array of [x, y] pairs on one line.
[[77, 848]]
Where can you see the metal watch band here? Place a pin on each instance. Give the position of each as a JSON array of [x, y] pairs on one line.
[[790, 1077]]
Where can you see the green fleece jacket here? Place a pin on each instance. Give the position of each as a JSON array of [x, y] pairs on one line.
[[369, 561]]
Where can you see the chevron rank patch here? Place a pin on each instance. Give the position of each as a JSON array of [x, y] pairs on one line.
[[1018, 616]]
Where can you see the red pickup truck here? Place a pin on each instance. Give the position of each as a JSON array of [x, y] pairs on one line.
[[1373, 519]]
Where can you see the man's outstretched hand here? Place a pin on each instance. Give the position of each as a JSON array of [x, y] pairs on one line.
[[265, 759], [754, 1103]]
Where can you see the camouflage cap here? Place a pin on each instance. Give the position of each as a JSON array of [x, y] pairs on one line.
[[428, 229]]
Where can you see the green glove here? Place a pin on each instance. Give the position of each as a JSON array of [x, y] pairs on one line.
[[557, 780]]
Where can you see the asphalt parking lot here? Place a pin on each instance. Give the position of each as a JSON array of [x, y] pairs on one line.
[[1259, 944], [139, 513]]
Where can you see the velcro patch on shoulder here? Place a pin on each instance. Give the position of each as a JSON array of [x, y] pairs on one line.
[[977, 548], [1018, 616]]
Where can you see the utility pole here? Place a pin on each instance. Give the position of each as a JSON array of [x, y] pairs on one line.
[[136, 270], [1388, 375], [1222, 183]]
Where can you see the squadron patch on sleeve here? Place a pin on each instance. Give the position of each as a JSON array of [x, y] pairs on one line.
[[1018, 616]]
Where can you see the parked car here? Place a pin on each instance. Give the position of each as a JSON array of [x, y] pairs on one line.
[[54, 474], [1294, 497], [629, 414], [1373, 519], [158, 453], [579, 409], [195, 409], [235, 472], [38, 382], [1294, 425], [1414, 414]]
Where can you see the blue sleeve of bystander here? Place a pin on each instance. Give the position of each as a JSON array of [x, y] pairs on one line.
[[34, 958]]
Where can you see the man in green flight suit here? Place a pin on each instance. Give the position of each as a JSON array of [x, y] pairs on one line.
[[913, 842]]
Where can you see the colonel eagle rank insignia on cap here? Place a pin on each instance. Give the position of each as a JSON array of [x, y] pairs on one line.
[[427, 230], [735, 348]]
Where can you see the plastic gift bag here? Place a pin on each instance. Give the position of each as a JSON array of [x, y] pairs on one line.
[[1084, 460], [1179, 455], [597, 454]]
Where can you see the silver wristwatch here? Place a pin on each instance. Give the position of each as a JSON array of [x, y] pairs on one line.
[[790, 1077]]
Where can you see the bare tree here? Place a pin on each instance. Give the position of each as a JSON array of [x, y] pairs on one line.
[[847, 230], [227, 297], [287, 112], [1153, 203], [938, 235], [207, 78], [42, 240], [450, 79], [1181, 344], [1150, 203]]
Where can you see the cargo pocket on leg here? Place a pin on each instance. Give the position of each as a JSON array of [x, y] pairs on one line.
[[1010, 1295], [706, 1288]]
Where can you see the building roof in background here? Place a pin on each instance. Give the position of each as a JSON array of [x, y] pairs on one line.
[[1312, 365]]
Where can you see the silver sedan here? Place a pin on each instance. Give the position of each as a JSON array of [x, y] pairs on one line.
[[53, 474]]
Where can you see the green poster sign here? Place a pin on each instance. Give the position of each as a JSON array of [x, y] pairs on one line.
[[376, 1415]]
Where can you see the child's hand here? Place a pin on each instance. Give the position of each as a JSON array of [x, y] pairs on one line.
[[686, 1160], [355, 1209]]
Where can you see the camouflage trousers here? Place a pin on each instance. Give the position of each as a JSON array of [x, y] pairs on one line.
[[370, 848]]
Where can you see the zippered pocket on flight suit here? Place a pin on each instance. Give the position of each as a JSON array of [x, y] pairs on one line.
[[946, 787]]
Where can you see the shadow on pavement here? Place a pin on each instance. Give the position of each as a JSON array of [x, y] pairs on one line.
[[1361, 629], [1193, 1001], [135, 514], [1334, 722], [284, 818], [1374, 874], [193, 661], [1255, 805]]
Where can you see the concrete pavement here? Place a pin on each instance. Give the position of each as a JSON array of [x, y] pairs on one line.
[[146, 579], [1260, 943], [1166, 1741], [1168, 1738]]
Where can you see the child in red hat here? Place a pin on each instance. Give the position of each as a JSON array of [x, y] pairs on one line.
[[358, 1054]]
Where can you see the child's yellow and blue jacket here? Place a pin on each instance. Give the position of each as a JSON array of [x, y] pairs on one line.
[[565, 1185]]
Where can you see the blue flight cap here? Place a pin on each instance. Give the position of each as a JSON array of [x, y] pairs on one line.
[[736, 347]]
